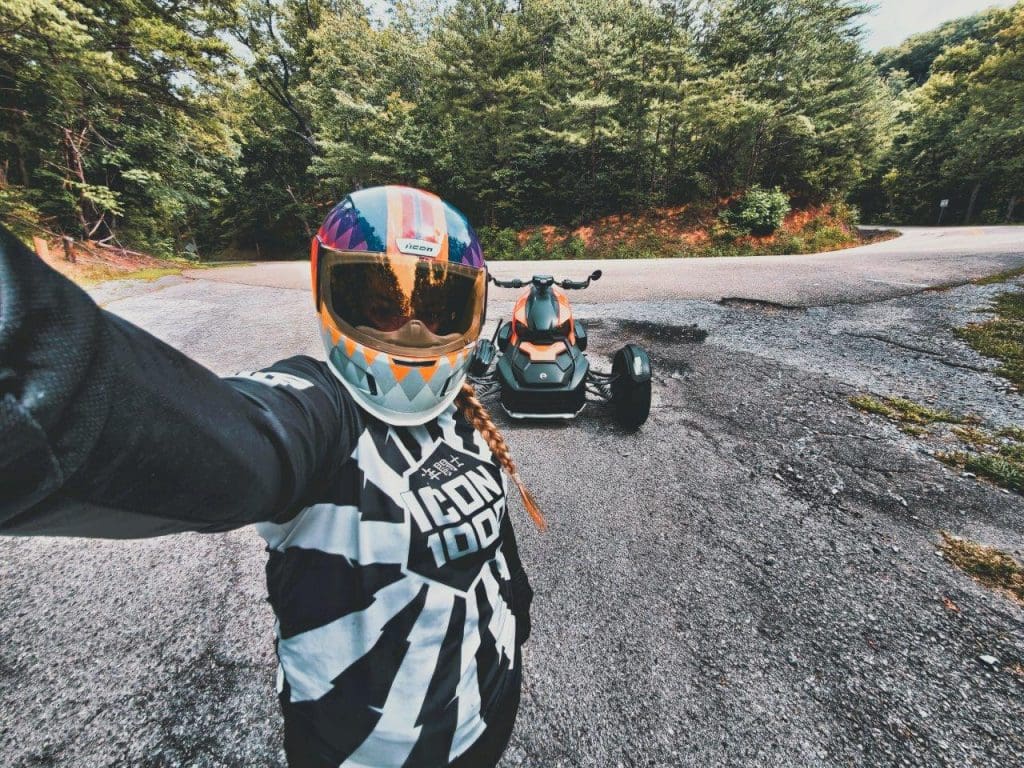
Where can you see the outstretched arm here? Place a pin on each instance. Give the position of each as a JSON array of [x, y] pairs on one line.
[[107, 431]]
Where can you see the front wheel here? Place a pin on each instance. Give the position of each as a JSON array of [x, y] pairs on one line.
[[631, 386]]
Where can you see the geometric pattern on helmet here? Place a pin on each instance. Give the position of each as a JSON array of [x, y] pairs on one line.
[[375, 219], [397, 387]]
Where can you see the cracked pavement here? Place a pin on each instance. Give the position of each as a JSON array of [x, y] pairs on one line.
[[750, 580]]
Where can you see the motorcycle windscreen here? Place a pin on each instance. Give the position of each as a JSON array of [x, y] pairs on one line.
[[403, 305]]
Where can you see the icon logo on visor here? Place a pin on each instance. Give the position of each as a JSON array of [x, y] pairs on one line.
[[415, 247]]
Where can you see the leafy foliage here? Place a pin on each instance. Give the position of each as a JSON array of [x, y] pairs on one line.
[[111, 121], [759, 212], [237, 123], [958, 135]]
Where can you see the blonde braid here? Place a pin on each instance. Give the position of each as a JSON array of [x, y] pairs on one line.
[[476, 414]]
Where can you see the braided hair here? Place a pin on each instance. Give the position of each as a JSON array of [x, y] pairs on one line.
[[476, 414]]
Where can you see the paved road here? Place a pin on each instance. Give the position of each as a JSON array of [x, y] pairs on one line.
[[921, 257], [750, 580]]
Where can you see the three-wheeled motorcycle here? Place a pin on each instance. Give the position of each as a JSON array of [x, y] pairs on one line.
[[537, 359]]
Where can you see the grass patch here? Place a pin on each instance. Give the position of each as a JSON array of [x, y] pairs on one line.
[[995, 456], [1001, 338], [909, 416], [1005, 471], [974, 436], [1013, 433], [94, 275], [1000, 277], [986, 565]]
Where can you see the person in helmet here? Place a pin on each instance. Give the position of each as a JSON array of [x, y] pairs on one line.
[[374, 477]]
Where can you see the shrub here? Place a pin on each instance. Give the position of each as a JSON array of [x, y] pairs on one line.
[[760, 211], [828, 238], [499, 243], [18, 212], [535, 248], [502, 244], [574, 248]]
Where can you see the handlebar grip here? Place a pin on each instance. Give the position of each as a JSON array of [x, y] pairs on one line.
[[514, 283]]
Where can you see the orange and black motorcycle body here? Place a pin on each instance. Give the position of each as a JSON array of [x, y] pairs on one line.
[[542, 369]]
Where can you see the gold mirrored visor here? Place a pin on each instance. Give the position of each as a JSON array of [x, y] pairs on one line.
[[403, 305]]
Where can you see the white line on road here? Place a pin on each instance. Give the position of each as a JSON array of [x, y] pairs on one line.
[[896, 282]]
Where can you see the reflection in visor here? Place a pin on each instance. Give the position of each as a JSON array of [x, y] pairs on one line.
[[376, 292]]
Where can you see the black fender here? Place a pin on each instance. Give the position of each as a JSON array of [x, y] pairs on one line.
[[504, 335], [581, 335], [632, 361], [483, 358], [631, 386]]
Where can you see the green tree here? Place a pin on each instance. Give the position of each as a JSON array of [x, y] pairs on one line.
[[960, 134], [113, 113]]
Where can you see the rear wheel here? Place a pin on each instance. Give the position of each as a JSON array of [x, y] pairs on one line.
[[631, 387]]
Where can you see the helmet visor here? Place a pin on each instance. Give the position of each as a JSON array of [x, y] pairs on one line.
[[402, 304]]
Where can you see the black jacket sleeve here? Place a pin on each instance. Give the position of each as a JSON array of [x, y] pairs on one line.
[[107, 431]]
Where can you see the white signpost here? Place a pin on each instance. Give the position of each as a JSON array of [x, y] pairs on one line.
[[943, 205]]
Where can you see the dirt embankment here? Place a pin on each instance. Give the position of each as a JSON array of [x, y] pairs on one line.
[[88, 263], [690, 230]]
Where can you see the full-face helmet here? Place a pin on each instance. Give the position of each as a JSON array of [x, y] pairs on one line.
[[400, 287]]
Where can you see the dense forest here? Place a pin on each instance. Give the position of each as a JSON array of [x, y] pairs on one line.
[[180, 126]]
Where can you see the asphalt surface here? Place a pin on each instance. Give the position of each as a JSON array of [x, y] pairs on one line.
[[750, 580]]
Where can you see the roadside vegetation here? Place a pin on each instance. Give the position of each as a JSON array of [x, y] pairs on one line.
[[684, 231], [1002, 337], [910, 417], [961, 442], [986, 565], [88, 264], [717, 127]]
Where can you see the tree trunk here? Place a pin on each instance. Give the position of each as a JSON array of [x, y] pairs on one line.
[[1009, 208], [298, 212], [76, 168], [970, 205]]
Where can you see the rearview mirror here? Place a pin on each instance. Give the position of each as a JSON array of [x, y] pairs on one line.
[[595, 275]]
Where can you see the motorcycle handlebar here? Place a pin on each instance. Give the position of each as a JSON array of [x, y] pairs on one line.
[[514, 283], [567, 284], [570, 284]]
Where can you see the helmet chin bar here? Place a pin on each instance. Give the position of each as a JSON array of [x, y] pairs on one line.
[[398, 418], [400, 392]]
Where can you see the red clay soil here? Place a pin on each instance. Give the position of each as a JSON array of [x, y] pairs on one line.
[[93, 263], [685, 225]]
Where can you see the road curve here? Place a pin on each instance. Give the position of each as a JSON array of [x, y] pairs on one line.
[[923, 257]]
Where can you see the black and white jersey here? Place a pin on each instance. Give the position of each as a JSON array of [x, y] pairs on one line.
[[392, 568], [396, 634]]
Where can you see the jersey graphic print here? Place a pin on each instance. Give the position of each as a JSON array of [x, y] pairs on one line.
[[395, 629], [456, 504]]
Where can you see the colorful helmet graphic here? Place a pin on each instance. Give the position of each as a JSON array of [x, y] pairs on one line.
[[400, 287]]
